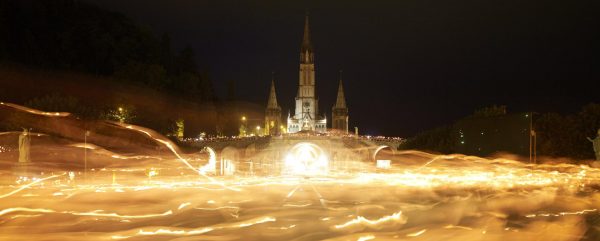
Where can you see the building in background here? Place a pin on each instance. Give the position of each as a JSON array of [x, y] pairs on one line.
[[273, 124], [339, 111], [306, 116]]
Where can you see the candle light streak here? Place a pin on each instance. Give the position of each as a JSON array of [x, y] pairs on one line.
[[395, 218], [96, 213], [36, 112], [465, 195], [172, 148], [23, 187]]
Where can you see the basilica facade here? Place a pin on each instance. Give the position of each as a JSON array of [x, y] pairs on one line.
[[306, 116]]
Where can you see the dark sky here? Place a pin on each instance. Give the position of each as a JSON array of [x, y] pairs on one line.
[[408, 65]]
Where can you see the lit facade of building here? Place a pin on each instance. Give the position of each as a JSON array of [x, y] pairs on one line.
[[273, 124], [339, 111], [306, 116]]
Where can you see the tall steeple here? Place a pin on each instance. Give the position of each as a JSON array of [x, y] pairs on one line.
[[341, 99], [339, 111], [306, 117], [306, 49], [273, 124], [306, 45], [272, 102]]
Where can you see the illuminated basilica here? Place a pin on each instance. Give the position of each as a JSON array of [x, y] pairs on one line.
[[306, 115]]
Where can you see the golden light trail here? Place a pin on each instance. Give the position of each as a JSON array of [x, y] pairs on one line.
[[93, 213], [183, 205], [415, 234], [36, 112], [21, 209], [395, 218], [22, 187], [197, 231], [365, 238], [417, 196], [384, 204], [582, 212], [170, 146]]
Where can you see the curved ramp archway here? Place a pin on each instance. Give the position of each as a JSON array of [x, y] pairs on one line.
[[383, 152]]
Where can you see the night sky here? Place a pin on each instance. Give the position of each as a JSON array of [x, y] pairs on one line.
[[408, 65]]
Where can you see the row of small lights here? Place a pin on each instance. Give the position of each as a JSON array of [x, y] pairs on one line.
[[4, 149]]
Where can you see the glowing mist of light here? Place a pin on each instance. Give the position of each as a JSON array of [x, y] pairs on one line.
[[100, 150], [169, 145], [306, 159]]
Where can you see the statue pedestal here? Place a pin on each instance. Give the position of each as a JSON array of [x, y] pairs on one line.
[[24, 169]]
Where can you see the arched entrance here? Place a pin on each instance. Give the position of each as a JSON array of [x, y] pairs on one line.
[[307, 159], [383, 156]]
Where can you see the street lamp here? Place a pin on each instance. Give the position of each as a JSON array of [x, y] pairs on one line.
[[87, 133], [243, 127]]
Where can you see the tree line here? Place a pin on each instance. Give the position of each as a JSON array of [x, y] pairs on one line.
[[557, 135], [76, 36], [73, 36]]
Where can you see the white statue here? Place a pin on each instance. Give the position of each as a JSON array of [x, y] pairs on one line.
[[24, 142], [596, 143]]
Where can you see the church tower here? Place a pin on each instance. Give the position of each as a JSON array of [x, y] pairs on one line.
[[273, 113], [306, 112], [339, 111]]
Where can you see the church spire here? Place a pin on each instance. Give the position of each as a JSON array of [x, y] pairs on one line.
[[272, 103], [339, 112], [306, 45], [306, 49], [273, 112], [340, 102]]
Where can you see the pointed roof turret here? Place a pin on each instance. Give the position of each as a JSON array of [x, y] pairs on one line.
[[306, 45], [340, 102], [272, 103]]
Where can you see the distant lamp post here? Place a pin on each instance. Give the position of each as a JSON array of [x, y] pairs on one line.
[[532, 139], [87, 133], [122, 114], [258, 130], [243, 131]]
